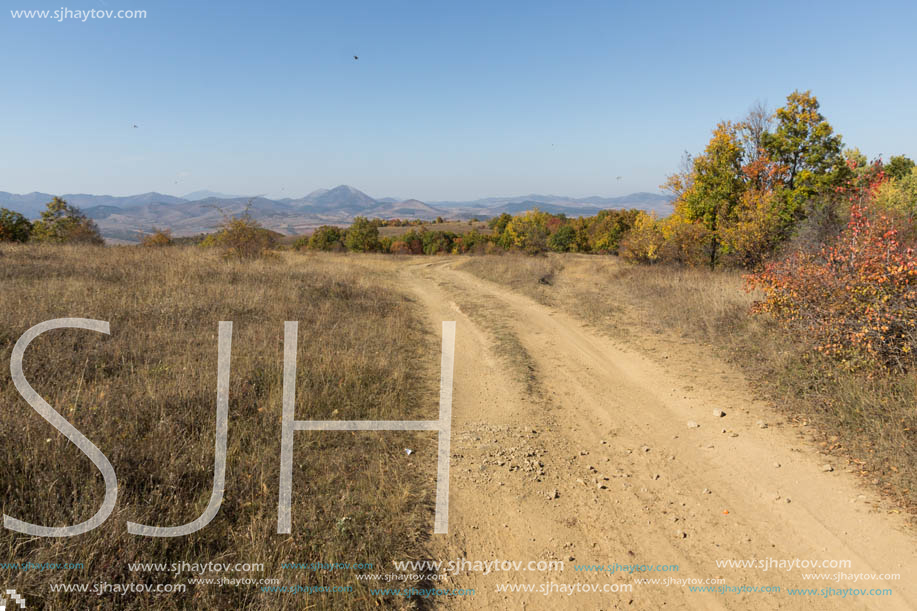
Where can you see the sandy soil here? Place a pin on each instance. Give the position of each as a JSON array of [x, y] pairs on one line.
[[570, 445]]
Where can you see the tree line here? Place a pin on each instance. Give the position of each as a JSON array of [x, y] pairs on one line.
[[60, 223]]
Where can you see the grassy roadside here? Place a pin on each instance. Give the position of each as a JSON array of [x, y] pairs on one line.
[[866, 416], [145, 395]]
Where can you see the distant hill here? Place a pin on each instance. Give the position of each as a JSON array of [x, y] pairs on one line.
[[32, 204], [128, 217], [196, 195], [339, 199], [408, 209], [523, 206], [557, 204]]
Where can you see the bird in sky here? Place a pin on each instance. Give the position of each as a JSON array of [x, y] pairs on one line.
[[135, 126], [620, 177], [356, 57]]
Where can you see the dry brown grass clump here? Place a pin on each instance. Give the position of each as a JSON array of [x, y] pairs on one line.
[[532, 276], [146, 396]]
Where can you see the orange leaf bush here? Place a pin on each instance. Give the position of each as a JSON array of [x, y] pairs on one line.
[[855, 299]]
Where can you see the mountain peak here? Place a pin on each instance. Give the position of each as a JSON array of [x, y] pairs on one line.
[[346, 189], [342, 197]]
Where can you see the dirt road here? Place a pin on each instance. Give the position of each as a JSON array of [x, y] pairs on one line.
[[568, 445]]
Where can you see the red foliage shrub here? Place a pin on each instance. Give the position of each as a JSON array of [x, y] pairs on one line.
[[855, 299], [400, 248]]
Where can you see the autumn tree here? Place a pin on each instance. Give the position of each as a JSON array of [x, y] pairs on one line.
[[644, 242], [752, 129], [680, 181], [60, 222], [528, 232], [498, 223], [14, 227], [716, 185], [608, 227], [806, 144]]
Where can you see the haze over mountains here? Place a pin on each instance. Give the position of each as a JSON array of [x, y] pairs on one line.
[[128, 217]]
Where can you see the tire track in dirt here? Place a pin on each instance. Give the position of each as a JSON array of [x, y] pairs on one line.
[[567, 446]]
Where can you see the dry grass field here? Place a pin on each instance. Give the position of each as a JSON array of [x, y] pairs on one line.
[[369, 349], [146, 396]]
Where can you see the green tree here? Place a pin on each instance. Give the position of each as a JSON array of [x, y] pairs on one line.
[[899, 166], [14, 227], [437, 242], [362, 235], [60, 222], [716, 185], [528, 232], [805, 143], [563, 240], [327, 237], [498, 223], [608, 227]]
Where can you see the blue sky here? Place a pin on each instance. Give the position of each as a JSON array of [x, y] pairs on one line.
[[449, 100]]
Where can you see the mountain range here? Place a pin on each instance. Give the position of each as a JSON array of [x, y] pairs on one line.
[[125, 218]]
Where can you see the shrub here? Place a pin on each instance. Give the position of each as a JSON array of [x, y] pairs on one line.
[[899, 194], [563, 240], [399, 247], [62, 223], [606, 229], [643, 243], [159, 237], [14, 227], [755, 233], [685, 242], [362, 236], [498, 223], [825, 218], [242, 237], [473, 241], [856, 299], [326, 237], [437, 242]]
